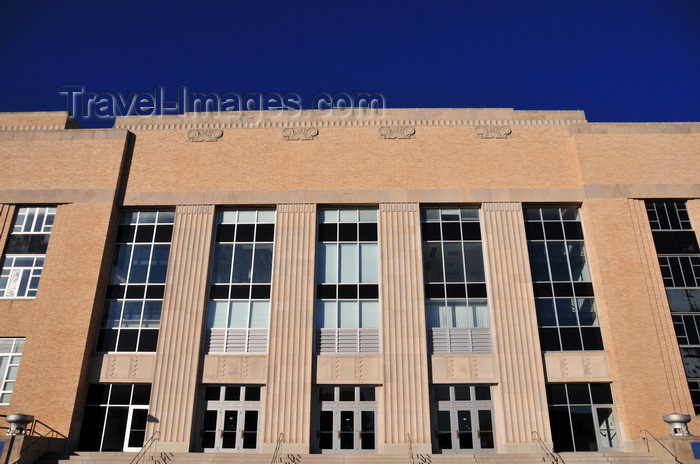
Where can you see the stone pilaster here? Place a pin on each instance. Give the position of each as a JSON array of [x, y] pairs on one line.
[[287, 407], [520, 393], [404, 347], [177, 358]]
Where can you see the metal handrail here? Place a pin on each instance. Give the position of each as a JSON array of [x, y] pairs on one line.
[[146, 447], [552, 455], [410, 448], [643, 431], [277, 448]]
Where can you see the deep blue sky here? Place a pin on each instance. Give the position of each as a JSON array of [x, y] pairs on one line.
[[618, 60]]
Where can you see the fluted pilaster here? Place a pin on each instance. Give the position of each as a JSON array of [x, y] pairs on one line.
[[288, 392], [404, 346], [175, 382], [520, 367]]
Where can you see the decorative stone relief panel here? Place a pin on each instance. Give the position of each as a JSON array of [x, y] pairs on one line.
[[300, 133], [357, 369], [451, 368], [397, 132], [233, 368], [122, 367], [493, 132], [572, 367], [204, 135]]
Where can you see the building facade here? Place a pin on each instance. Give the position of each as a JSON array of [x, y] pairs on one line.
[[456, 281]]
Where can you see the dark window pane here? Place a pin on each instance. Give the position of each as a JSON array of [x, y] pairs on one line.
[[583, 289], [232, 393], [135, 291], [435, 291], [17, 244], [240, 292], [442, 393], [212, 393], [558, 264], [223, 258], [115, 429], [533, 231], [164, 233], [121, 394], [556, 393], [264, 232], [368, 232], [675, 242], [474, 262], [573, 231], [38, 243], [453, 262], [545, 312], [456, 291], [327, 232], [462, 393], [148, 341], [125, 234], [326, 393], [570, 339], [430, 231], [346, 291], [245, 232], [471, 231], [138, 419], [592, 339], [561, 429], [451, 231], [218, 292], [549, 339], [583, 428], [142, 393], [107, 340], [127, 340], [91, 433], [601, 393], [563, 289], [97, 394], [347, 232], [252, 393], [144, 234], [115, 291], [208, 438], [346, 393], [155, 291], [432, 262], [367, 394], [542, 289], [368, 291], [225, 232], [326, 291], [476, 290], [553, 230], [482, 392], [578, 393]]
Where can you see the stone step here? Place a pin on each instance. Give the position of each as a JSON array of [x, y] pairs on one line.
[[284, 458]]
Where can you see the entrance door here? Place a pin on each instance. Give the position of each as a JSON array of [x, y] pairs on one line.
[[346, 420], [463, 418], [231, 418]]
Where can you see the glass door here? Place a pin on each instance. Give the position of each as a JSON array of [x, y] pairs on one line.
[[463, 419], [231, 418], [346, 420]]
